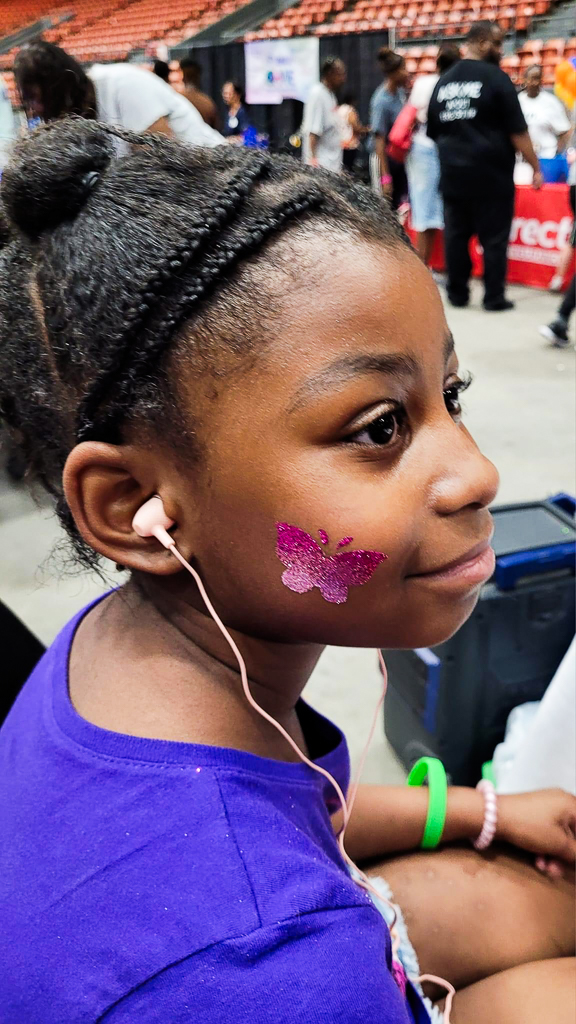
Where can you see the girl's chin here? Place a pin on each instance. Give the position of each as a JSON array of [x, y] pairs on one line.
[[433, 633], [411, 627], [413, 624]]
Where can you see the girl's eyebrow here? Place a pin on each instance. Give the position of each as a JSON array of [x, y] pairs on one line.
[[347, 367]]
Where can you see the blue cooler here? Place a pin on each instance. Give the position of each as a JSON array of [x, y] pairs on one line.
[[554, 169], [452, 701]]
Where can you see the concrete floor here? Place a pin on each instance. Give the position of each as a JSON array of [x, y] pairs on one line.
[[521, 411]]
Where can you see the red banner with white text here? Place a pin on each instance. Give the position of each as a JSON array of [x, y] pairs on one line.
[[540, 230]]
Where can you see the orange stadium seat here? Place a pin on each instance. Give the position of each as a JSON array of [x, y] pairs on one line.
[[412, 18], [14, 16], [553, 46], [111, 29]]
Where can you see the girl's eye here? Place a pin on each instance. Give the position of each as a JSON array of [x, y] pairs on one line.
[[383, 430], [452, 393], [389, 426], [452, 400]]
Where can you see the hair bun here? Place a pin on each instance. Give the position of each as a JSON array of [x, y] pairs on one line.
[[389, 60], [52, 173]]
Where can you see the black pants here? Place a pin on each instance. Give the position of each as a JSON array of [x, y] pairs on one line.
[[349, 157], [490, 218], [399, 182], [569, 300]]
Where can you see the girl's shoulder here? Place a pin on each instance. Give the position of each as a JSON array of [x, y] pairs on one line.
[[150, 853]]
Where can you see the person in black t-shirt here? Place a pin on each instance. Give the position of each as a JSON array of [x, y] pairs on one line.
[[476, 120]]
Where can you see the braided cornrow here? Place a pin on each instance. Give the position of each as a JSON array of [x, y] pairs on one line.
[[211, 273], [112, 268], [219, 213]]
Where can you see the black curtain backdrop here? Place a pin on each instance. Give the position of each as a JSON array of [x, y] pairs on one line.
[[359, 55], [226, 64]]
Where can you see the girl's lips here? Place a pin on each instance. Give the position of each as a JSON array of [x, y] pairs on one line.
[[474, 568]]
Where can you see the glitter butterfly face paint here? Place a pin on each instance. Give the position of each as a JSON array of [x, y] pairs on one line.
[[308, 566]]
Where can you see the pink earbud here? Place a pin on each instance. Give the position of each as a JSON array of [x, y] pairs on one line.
[[152, 521]]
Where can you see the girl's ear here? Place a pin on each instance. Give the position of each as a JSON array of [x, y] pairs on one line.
[[104, 486]]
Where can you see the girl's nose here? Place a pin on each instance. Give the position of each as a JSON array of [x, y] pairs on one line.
[[468, 480]]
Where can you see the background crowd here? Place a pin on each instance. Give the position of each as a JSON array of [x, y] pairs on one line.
[[449, 143]]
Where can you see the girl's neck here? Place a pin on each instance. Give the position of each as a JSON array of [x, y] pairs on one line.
[[153, 665]]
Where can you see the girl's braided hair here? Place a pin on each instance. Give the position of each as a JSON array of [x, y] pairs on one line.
[[112, 269]]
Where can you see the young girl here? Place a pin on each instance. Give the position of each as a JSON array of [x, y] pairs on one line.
[[258, 346], [387, 175]]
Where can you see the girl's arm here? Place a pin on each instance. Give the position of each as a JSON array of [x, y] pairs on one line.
[[380, 150], [391, 819], [355, 122]]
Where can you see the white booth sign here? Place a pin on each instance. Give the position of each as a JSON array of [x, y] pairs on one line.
[[281, 69]]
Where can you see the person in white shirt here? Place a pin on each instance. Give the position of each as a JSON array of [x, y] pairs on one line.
[[422, 163], [52, 84], [7, 124], [321, 127], [546, 117]]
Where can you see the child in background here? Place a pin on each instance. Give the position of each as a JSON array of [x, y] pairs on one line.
[[558, 331], [352, 130], [258, 345]]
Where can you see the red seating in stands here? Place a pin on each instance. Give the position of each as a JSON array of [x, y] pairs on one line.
[[14, 16], [111, 29], [412, 19]]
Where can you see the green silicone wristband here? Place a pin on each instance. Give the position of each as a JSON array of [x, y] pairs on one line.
[[437, 798]]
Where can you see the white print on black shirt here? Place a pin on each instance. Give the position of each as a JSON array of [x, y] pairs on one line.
[[457, 96]]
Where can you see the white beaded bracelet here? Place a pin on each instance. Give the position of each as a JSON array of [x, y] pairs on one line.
[[490, 815]]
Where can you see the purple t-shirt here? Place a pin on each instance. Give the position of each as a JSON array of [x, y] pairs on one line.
[[153, 882]]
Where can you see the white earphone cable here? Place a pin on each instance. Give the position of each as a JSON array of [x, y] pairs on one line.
[[358, 876]]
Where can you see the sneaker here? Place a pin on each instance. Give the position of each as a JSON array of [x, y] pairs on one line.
[[556, 283], [458, 303], [499, 306], [556, 333]]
